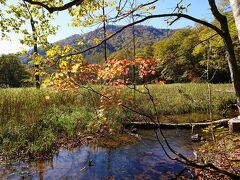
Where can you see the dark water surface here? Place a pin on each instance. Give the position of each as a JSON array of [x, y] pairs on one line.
[[142, 160]]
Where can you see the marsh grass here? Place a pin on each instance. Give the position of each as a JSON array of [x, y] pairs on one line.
[[180, 99], [189, 98], [33, 121]]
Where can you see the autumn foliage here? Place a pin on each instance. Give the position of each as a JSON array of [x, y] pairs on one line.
[[112, 73], [125, 71], [115, 75]]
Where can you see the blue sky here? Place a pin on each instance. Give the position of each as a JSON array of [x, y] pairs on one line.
[[198, 9]]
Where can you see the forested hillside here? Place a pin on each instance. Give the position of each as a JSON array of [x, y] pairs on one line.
[[182, 55], [145, 36], [188, 54]]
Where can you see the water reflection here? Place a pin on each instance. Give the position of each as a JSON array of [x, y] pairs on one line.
[[142, 160]]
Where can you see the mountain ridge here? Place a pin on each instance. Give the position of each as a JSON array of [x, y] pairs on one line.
[[144, 35]]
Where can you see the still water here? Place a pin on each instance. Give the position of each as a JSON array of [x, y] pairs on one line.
[[142, 160]]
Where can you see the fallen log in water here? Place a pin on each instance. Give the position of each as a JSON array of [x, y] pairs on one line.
[[222, 122]]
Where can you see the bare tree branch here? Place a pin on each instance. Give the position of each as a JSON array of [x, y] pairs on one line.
[[54, 9], [119, 17], [215, 11], [178, 156], [219, 31]]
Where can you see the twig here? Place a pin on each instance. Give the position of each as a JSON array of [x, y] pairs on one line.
[[219, 31], [178, 156]]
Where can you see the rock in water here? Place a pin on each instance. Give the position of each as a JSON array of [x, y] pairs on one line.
[[234, 125], [134, 130], [196, 137]]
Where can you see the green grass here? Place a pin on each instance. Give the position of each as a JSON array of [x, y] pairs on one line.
[[193, 97], [179, 99], [34, 121], [30, 122]]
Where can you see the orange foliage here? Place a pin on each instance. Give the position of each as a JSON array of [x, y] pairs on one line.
[[117, 72]]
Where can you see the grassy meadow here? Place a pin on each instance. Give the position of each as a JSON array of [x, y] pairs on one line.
[[36, 121]]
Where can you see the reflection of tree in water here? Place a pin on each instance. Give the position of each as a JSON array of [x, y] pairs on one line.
[[41, 168], [143, 160], [109, 162]]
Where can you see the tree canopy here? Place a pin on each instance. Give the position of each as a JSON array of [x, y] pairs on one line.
[[184, 55], [12, 72]]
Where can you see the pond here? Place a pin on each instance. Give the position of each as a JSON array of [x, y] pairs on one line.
[[142, 160]]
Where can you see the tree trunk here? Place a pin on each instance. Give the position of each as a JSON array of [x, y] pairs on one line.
[[233, 67], [235, 5], [37, 69], [232, 61], [104, 31], [35, 48]]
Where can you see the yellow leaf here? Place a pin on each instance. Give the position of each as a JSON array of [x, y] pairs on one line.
[[47, 97], [152, 7], [75, 68]]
